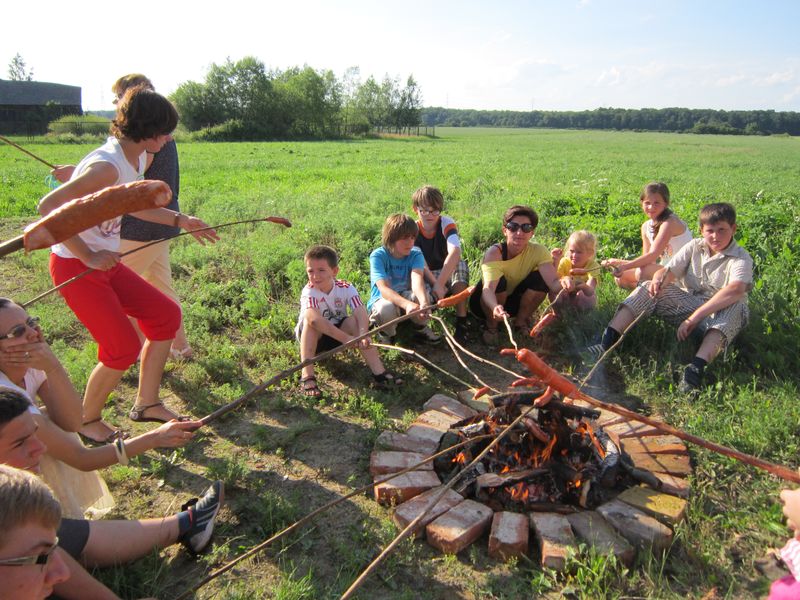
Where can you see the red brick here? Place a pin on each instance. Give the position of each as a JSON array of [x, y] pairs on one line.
[[382, 463], [635, 526], [402, 442], [450, 406], [593, 529], [426, 433], [628, 429], [509, 535], [661, 444], [674, 464], [436, 419], [555, 538], [408, 511], [404, 487], [665, 507], [459, 527]]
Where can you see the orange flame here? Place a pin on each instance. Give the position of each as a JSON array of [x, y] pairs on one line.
[[519, 492], [460, 458], [584, 427]]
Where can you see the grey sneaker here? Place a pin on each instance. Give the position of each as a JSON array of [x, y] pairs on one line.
[[427, 335], [203, 513], [595, 351]]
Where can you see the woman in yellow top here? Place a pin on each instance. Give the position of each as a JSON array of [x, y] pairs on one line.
[[517, 274]]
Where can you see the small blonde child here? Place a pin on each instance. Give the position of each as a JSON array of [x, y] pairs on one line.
[[577, 271]]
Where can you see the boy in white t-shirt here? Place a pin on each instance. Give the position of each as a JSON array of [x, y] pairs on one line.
[[324, 322]]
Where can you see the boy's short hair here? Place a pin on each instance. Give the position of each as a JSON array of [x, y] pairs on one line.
[[428, 196], [143, 114], [716, 212], [320, 252], [25, 499], [584, 239], [12, 405], [397, 227], [518, 210], [130, 80]]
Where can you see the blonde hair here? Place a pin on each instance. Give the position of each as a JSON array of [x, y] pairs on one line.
[[24, 499], [398, 227], [583, 239]]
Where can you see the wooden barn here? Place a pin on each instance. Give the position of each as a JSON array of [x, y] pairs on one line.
[[26, 107]]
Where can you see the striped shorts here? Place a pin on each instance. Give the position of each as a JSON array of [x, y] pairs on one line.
[[675, 305]]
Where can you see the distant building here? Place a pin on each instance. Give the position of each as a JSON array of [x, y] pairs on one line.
[[26, 107]]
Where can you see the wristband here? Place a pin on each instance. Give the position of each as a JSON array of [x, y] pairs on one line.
[[119, 449], [178, 216]]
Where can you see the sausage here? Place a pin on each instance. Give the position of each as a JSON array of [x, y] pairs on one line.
[[482, 392], [535, 430], [91, 210], [545, 372], [455, 299], [542, 323], [279, 221]]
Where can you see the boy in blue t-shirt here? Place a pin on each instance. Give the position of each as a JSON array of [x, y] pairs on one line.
[[396, 271]]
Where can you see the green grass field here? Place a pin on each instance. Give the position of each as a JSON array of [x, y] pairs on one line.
[[283, 456]]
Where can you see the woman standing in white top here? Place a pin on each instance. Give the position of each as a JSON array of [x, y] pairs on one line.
[[104, 299], [663, 234]]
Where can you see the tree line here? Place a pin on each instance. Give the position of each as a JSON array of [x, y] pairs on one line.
[[736, 122], [242, 100]]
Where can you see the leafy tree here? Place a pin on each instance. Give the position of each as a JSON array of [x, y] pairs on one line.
[[18, 70]]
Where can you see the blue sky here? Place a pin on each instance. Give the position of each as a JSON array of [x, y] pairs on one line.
[[516, 55]]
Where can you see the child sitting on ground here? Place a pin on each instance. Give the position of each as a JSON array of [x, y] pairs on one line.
[[396, 271], [663, 234], [324, 323], [446, 272], [577, 271], [789, 586], [715, 274]]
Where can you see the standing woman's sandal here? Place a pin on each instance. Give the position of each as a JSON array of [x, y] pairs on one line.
[[309, 387], [139, 414], [110, 438]]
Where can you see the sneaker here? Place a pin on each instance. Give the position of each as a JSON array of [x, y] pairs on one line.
[[384, 338], [427, 335], [202, 514], [595, 351], [691, 380]]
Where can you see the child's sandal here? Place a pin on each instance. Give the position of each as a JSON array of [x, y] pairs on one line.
[[387, 379], [309, 387]]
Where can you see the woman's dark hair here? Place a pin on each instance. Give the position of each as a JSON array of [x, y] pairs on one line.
[[143, 114], [660, 188], [518, 210]]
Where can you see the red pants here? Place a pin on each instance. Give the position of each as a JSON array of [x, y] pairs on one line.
[[103, 301]]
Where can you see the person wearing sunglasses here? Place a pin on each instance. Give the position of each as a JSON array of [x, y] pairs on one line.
[[69, 467], [517, 275]]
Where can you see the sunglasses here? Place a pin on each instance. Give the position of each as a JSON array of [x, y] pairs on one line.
[[36, 559], [513, 227], [19, 330]]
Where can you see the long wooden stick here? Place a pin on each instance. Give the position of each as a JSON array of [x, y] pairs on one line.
[[21, 149], [286, 372], [417, 355], [54, 289], [413, 524], [256, 549], [485, 361]]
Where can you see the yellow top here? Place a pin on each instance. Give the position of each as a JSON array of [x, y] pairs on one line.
[[518, 268], [565, 265]]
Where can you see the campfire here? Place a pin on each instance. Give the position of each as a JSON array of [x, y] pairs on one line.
[[555, 459]]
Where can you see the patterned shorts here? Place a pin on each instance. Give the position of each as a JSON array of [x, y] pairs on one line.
[[675, 305], [460, 275]]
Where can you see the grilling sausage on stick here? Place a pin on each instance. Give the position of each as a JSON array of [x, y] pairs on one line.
[[90, 210], [455, 298], [565, 387], [542, 323]]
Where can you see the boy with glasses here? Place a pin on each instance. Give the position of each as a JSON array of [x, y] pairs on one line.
[[445, 271]]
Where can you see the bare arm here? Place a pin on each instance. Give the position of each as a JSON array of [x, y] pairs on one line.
[[68, 448], [653, 251], [165, 216], [550, 276], [387, 293], [324, 326], [489, 291], [730, 294]]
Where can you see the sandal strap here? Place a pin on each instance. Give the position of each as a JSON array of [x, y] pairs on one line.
[[97, 420], [146, 406]]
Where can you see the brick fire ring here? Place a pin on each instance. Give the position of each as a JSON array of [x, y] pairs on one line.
[[638, 518]]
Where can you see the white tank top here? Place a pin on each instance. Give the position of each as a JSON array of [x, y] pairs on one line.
[[106, 235], [676, 242]]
